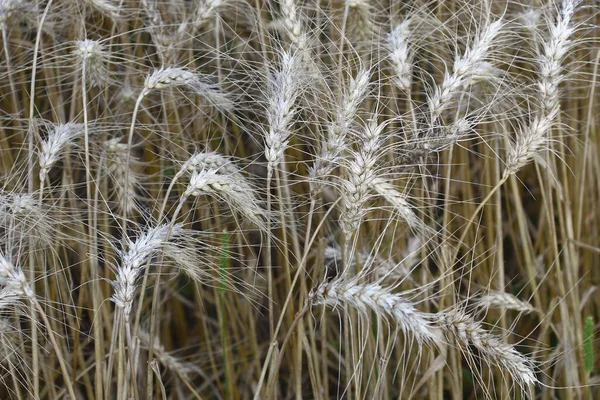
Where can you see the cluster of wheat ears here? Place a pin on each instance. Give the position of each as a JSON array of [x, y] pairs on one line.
[[227, 199]]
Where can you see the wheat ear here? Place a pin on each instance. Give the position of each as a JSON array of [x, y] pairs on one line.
[[467, 68], [368, 298], [505, 301], [227, 188], [533, 138], [399, 56], [52, 148], [13, 279], [467, 332]]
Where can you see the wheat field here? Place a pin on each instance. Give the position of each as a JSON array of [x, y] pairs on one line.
[[343, 199]]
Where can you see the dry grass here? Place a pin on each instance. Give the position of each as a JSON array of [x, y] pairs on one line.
[[222, 199]]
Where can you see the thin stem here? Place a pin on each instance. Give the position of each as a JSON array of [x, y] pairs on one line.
[[128, 158], [268, 258], [30, 180], [289, 298], [61, 360]]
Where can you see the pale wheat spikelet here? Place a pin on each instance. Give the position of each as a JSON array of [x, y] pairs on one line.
[[22, 216], [398, 54], [553, 51], [226, 188], [108, 8], [170, 43], [354, 95], [282, 93], [467, 332], [125, 189], [435, 140], [446, 136], [332, 149], [51, 148], [361, 172], [505, 301], [211, 160], [294, 25], [383, 268], [360, 24], [134, 259], [152, 13], [12, 279], [335, 142], [530, 19], [8, 8], [373, 298], [470, 66], [531, 140], [168, 39], [93, 57], [217, 162], [166, 78], [206, 11], [401, 206], [172, 363], [8, 298]]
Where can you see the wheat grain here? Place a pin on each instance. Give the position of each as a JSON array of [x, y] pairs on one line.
[[399, 57], [227, 189], [283, 91], [533, 139], [467, 332], [361, 174], [53, 146], [171, 77], [93, 56], [119, 170], [336, 141], [555, 49], [367, 298], [134, 259], [504, 300], [470, 66]]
